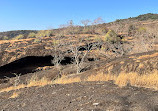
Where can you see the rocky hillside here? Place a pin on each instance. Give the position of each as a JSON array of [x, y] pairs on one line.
[[102, 67], [11, 34]]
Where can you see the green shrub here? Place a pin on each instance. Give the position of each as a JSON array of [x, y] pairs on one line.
[[40, 34], [111, 36], [5, 38], [37, 40], [44, 33], [18, 37], [48, 33], [98, 38], [32, 35], [141, 29]]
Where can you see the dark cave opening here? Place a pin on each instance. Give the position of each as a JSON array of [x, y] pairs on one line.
[[24, 65], [29, 64]]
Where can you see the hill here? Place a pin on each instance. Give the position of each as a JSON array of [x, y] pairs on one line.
[[149, 16], [12, 34], [143, 17], [110, 66]]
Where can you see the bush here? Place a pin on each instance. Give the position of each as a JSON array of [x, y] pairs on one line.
[[5, 38], [111, 36], [37, 40], [18, 37], [32, 35], [48, 33], [101, 30], [40, 34], [141, 29], [44, 33], [131, 30]]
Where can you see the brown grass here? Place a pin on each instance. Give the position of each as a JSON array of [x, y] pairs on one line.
[[34, 81], [148, 81], [134, 79], [15, 95], [38, 82], [148, 56], [65, 80]]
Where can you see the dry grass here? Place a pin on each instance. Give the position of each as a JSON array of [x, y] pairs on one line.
[[100, 77], [134, 79], [12, 88], [34, 81], [65, 80], [15, 94], [148, 56], [38, 82]]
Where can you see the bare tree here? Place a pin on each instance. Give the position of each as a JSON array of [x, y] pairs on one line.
[[94, 24], [79, 50], [85, 23], [57, 54], [97, 21], [70, 27], [70, 23]]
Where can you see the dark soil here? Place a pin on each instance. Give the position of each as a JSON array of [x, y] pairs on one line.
[[87, 96]]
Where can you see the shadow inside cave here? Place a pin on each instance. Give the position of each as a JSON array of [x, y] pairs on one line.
[[29, 64], [24, 65]]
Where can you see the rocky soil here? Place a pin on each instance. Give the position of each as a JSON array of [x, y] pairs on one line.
[[86, 96]]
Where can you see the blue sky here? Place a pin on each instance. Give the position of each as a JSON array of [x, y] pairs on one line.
[[45, 14]]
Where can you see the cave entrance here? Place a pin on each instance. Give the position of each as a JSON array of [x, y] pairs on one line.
[[29, 64], [25, 65]]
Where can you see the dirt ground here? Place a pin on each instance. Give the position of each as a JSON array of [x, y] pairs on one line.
[[85, 96]]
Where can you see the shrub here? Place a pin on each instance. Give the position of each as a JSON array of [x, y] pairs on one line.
[[37, 40], [111, 36], [101, 29], [98, 38], [5, 38], [141, 29], [18, 37], [48, 33], [40, 34], [131, 30], [44, 33], [32, 35]]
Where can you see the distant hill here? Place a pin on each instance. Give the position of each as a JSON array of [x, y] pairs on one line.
[[12, 34], [111, 25], [143, 17], [149, 16]]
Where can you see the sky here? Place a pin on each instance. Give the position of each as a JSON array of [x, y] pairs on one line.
[[48, 14]]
